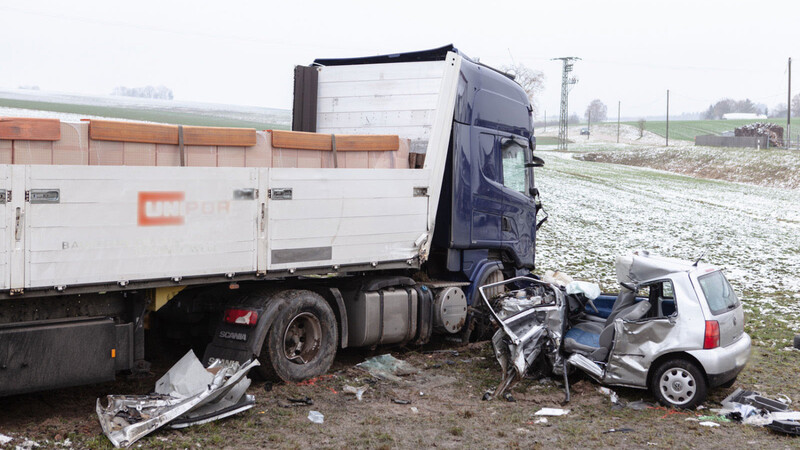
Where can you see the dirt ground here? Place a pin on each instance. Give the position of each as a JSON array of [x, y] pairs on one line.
[[444, 410]]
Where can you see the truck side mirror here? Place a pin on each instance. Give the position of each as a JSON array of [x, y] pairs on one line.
[[535, 162]]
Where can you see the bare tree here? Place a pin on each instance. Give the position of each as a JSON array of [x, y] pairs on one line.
[[597, 110], [641, 125], [531, 80], [796, 105]]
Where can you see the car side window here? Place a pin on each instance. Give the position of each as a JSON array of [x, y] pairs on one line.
[[661, 296]]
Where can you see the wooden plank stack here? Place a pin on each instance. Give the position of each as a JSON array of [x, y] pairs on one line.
[[107, 142]]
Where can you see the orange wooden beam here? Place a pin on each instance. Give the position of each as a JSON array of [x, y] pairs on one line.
[[301, 140], [27, 129]]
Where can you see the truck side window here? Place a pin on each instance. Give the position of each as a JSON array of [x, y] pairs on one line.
[[513, 165], [490, 165]]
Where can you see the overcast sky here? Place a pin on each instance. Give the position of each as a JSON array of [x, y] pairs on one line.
[[241, 52]]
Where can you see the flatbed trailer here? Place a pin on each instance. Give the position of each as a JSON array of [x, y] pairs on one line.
[[274, 244]]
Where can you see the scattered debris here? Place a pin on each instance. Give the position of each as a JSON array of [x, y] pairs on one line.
[[639, 405], [751, 408], [714, 419], [611, 394], [316, 417], [541, 420], [414, 409], [387, 367], [551, 412], [357, 391], [619, 430], [301, 401], [509, 398], [791, 427], [188, 394], [401, 401], [5, 439], [709, 424]]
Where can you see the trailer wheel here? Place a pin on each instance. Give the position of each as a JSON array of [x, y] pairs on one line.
[[301, 343], [679, 383]]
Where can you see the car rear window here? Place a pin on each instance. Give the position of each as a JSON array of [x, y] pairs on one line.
[[718, 292]]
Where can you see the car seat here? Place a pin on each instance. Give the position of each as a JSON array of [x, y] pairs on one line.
[[585, 339]]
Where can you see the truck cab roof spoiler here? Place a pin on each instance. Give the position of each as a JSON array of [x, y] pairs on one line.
[[435, 54]]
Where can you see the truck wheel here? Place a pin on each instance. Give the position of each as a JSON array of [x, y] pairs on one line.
[[678, 383], [301, 343]]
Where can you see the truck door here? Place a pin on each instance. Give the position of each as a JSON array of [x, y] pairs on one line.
[[487, 197], [518, 219]]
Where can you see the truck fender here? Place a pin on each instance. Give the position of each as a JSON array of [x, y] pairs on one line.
[[485, 267], [276, 301]]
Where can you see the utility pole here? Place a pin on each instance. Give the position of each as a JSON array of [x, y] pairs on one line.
[[619, 106], [667, 117], [589, 124], [789, 108], [565, 83]]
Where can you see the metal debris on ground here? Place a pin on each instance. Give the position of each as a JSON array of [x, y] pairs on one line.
[[751, 408], [5, 439], [551, 412], [401, 401], [316, 417], [387, 367], [357, 391], [619, 430], [188, 394], [709, 424]]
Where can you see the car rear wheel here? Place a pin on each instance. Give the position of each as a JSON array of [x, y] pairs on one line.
[[678, 383], [301, 343]]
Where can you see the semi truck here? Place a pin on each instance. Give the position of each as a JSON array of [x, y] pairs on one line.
[[406, 183]]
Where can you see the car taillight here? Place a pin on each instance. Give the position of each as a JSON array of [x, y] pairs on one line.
[[712, 334], [241, 317]]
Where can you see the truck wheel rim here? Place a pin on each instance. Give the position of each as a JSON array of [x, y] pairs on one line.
[[678, 386], [301, 339]]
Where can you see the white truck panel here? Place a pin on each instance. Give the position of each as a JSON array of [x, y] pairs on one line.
[[346, 216], [131, 223], [414, 100], [6, 229]]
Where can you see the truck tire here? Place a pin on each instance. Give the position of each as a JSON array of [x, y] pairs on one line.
[[301, 343], [678, 383]]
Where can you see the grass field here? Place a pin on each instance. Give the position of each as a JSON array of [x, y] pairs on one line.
[[161, 115], [686, 130]]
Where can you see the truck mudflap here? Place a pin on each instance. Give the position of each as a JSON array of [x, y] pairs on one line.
[[531, 321]]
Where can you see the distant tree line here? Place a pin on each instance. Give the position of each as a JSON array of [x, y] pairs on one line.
[[728, 105], [160, 92]]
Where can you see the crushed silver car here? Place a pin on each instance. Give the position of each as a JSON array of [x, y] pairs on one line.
[[676, 328]]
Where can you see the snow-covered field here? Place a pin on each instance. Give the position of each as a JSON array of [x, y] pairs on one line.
[[598, 211]]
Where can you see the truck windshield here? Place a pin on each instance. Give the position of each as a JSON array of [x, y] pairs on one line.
[[719, 293], [514, 166]]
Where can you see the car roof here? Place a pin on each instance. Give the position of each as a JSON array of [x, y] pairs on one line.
[[643, 266]]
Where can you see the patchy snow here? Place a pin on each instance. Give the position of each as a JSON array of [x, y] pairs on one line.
[[598, 211], [64, 117]]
